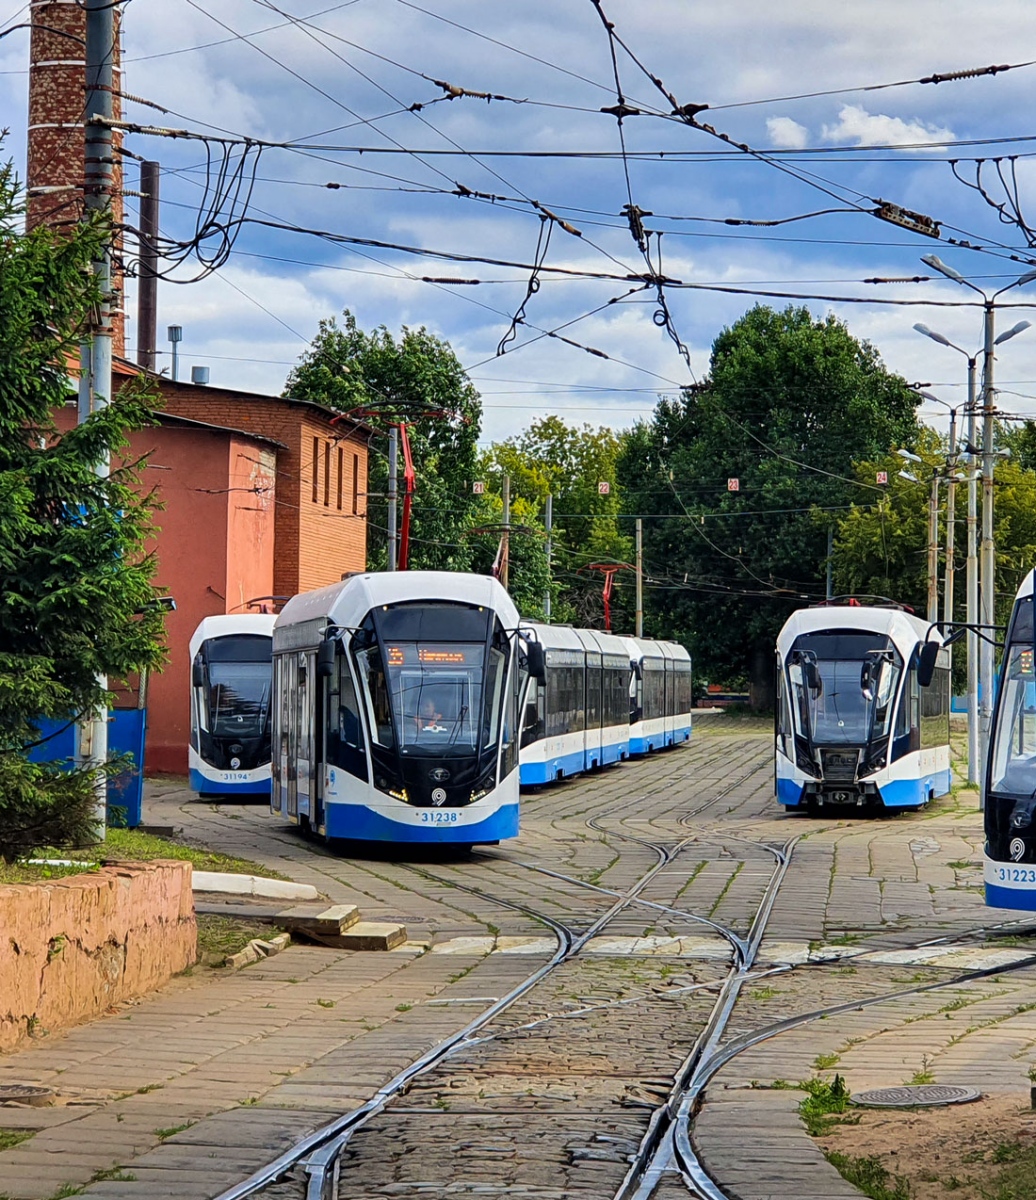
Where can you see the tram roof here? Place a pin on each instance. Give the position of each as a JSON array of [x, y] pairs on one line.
[[1026, 587], [225, 625], [902, 627], [347, 602]]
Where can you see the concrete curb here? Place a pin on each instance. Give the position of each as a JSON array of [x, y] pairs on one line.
[[252, 885]]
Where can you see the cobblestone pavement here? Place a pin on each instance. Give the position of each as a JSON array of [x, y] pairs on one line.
[[193, 1088]]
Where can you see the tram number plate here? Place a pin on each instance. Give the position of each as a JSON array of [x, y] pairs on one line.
[[439, 818], [1015, 874]]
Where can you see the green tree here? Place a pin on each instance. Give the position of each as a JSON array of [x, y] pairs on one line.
[[882, 548], [76, 598], [791, 402], [568, 462], [349, 369]]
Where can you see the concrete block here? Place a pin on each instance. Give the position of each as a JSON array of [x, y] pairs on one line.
[[252, 885], [365, 935]]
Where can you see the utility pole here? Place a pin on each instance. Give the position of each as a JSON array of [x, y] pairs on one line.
[[987, 564], [933, 549], [550, 529], [95, 389], [640, 577], [830, 563], [505, 542], [392, 492], [147, 276], [971, 581], [951, 512]]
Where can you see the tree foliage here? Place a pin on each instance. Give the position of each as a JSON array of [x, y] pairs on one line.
[[568, 462], [790, 403], [75, 583], [347, 368]]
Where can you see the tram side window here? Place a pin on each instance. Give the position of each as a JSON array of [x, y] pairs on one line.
[[532, 722], [564, 700], [345, 743], [593, 697], [372, 671], [616, 696], [1013, 759], [935, 710], [654, 693], [682, 682]]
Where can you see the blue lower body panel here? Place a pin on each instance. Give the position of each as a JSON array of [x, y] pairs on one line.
[[614, 753], [532, 774], [355, 822], [913, 793], [789, 793], [645, 745], [214, 787], [1008, 897]]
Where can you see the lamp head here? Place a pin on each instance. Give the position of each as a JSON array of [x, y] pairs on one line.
[[937, 264], [908, 456], [931, 333], [1021, 327]]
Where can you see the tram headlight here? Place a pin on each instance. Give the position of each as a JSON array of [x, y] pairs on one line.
[[479, 795], [403, 795]]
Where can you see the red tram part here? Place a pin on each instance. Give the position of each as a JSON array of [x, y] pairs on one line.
[[609, 570]]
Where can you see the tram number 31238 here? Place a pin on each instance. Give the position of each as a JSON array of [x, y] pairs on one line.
[[438, 817]]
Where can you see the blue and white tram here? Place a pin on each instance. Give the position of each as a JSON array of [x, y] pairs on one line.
[[397, 697], [863, 699], [1010, 775], [660, 694], [577, 717], [231, 677]]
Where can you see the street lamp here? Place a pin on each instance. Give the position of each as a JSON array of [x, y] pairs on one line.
[[988, 558], [971, 588]]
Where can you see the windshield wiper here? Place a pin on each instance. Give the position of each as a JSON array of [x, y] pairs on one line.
[[456, 724]]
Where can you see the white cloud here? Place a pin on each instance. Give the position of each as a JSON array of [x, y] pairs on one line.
[[862, 128], [786, 133]]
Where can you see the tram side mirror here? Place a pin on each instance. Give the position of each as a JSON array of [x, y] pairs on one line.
[[326, 659], [197, 674], [867, 679], [811, 676], [536, 659], [926, 660]]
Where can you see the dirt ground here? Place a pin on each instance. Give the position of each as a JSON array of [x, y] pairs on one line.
[[980, 1151]]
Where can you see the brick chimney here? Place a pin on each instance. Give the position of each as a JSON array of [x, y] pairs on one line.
[[57, 99]]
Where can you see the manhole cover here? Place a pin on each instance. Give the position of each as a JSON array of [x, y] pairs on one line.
[[925, 1095], [24, 1093]]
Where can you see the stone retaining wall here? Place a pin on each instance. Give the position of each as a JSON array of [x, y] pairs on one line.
[[71, 948]]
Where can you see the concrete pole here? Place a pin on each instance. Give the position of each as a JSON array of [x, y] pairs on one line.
[[933, 550], [987, 563], [505, 557], [640, 577], [393, 476], [147, 276], [92, 750], [830, 561], [972, 584], [550, 529], [951, 512]]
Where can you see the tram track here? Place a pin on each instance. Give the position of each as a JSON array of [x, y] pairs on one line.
[[319, 1154]]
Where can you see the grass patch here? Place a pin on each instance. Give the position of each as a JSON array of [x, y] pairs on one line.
[[823, 1104], [869, 1176], [9, 1138], [824, 1062], [219, 937], [131, 845], [172, 1130]]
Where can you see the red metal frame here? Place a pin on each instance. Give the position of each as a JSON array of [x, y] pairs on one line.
[[409, 486], [609, 570]]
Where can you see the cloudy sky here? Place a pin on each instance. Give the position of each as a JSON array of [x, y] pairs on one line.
[[332, 78]]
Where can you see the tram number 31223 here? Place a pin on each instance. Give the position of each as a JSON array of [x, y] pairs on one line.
[[1015, 874]]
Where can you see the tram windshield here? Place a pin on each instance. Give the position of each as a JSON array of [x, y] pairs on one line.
[[240, 677], [838, 710], [433, 695], [1013, 762]]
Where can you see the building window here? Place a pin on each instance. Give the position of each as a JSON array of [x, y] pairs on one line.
[[327, 474], [341, 455], [316, 469], [356, 483]]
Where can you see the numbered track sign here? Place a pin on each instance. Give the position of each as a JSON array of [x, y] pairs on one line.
[[478, 487], [733, 485], [603, 488]]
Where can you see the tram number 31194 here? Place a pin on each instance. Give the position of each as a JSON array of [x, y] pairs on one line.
[[439, 818]]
